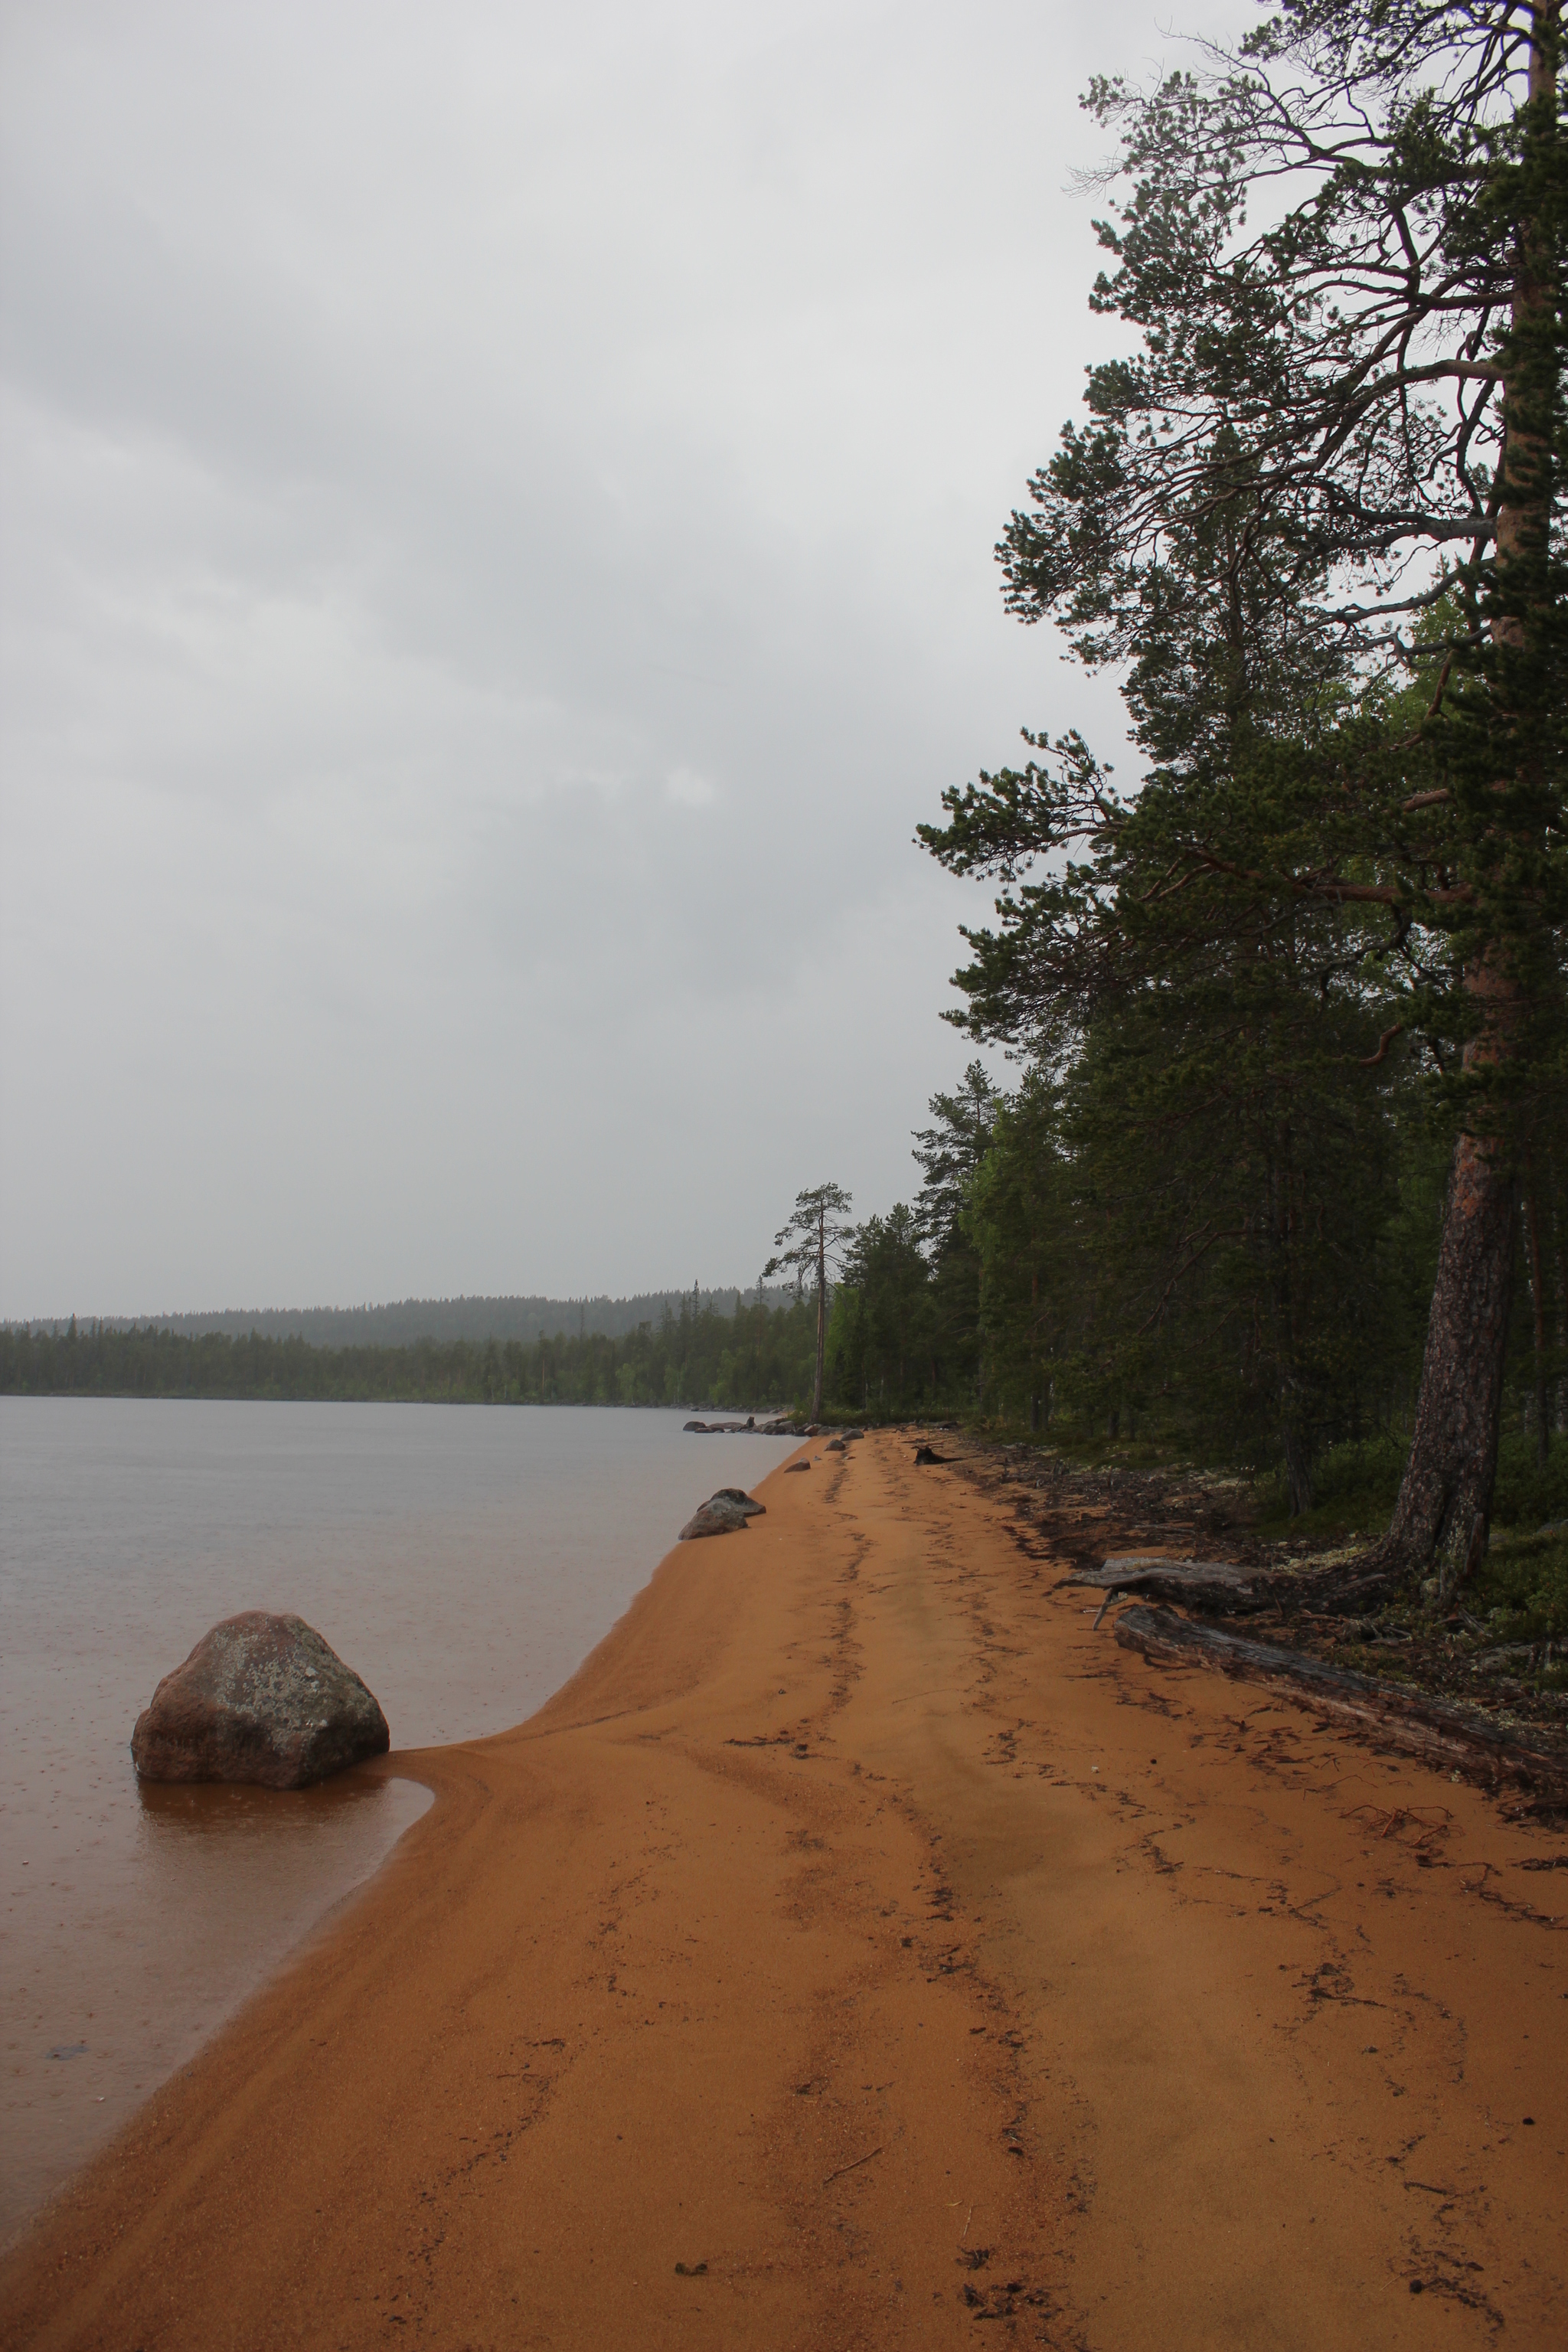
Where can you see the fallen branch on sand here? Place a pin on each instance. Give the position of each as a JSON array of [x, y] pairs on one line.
[[1394, 1718], [860, 2160], [1211, 1583]]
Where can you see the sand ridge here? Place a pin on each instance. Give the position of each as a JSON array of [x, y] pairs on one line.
[[863, 1933]]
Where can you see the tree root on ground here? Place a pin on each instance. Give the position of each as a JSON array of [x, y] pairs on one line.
[[1387, 1713]]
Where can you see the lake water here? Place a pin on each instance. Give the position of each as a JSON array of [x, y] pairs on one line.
[[464, 1560]]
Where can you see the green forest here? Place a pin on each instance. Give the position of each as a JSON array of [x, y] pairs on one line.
[[400, 1322], [1080, 1265], [1279, 1177], [758, 1356]]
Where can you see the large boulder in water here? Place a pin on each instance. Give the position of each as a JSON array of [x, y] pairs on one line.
[[261, 1698]]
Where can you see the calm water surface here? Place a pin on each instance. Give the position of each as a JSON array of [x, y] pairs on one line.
[[463, 1561]]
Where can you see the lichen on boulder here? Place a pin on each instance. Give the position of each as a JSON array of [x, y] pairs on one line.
[[741, 1500], [724, 1514]]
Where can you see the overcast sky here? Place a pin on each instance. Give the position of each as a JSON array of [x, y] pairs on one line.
[[498, 510]]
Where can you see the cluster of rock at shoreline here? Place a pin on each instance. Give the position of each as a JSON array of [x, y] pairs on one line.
[[726, 1511], [750, 1427]]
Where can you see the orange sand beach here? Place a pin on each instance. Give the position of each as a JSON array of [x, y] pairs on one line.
[[859, 1948]]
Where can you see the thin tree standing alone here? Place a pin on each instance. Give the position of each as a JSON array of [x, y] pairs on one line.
[[813, 1237]]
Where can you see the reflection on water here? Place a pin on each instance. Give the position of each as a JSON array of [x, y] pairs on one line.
[[463, 1561], [180, 1811]]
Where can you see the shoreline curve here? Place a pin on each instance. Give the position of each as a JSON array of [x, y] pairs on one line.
[[856, 1945]]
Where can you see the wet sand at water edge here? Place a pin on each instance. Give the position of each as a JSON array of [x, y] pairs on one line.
[[859, 1947]]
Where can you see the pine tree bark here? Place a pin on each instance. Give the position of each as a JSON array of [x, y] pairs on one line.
[[1538, 1315], [1444, 1512], [1559, 1300], [1298, 1462]]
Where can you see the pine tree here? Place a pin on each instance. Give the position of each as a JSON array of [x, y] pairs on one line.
[[1335, 459], [810, 1243]]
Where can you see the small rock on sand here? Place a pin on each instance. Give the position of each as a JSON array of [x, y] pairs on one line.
[[261, 1698]]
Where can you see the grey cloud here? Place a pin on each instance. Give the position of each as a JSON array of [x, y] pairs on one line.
[[498, 515]]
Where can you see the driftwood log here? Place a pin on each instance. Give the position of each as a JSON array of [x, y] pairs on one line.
[[1203, 1583], [1393, 1715]]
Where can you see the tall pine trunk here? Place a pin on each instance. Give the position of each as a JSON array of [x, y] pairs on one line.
[[1559, 1302], [1538, 1316], [821, 1316], [1297, 1457], [1443, 1516], [1444, 1512]]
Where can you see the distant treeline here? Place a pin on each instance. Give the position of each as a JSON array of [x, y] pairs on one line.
[[692, 1354], [403, 1321]]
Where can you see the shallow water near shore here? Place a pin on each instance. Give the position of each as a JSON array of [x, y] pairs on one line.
[[464, 1560]]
